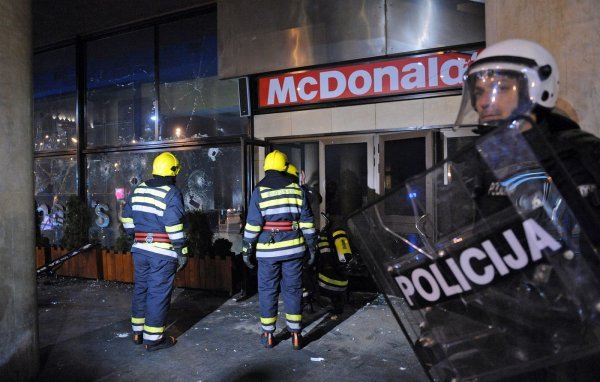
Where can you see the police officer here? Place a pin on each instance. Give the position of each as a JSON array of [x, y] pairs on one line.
[[519, 80], [154, 215], [278, 229]]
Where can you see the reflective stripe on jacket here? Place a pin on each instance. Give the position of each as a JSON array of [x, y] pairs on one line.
[[156, 209], [276, 199]]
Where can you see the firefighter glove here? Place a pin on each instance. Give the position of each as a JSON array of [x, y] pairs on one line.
[[181, 258], [248, 255]]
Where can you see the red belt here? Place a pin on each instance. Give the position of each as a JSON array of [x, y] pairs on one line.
[[280, 226], [151, 237]]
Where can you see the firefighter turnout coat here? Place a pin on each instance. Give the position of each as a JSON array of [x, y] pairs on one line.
[[278, 228], [154, 214]]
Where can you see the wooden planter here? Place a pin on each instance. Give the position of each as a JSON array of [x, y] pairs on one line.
[[202, 272], [118, 266], [40, 256], [207, 272], [87, 265]]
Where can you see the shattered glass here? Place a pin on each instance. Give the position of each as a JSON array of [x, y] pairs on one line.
[[209, 181], [55, 181], [54, 100]]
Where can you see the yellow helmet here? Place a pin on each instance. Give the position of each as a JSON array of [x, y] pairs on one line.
[[276, 160], [166, 164], [292, 170]]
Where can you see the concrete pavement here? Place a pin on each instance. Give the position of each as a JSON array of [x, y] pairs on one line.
[[85, 335]]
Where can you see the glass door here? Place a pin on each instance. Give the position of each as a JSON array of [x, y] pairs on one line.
[[349, 174]]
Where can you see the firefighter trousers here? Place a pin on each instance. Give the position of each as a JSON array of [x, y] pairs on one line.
[[276, 275], [151, 296]]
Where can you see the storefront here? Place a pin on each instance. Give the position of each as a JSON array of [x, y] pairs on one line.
[[366, 127], [360, 94], [133, 94]]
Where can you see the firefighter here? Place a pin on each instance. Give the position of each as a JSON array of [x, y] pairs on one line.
[[153, 214], [334, 256], [278, 230], [309, 282]]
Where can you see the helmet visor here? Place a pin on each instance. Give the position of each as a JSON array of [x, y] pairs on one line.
[[494, 97]]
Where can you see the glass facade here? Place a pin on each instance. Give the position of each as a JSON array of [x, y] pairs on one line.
[[155, 84], [209, 180], [120, 90], [55, 181], [194, 103], [54, 101]]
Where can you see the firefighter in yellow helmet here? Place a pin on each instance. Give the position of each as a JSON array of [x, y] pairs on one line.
[[153, 214], [278, 229]]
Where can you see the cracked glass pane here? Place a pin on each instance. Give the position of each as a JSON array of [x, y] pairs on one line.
[[54, 100], [55, 181], [194, 103], [120, 90], [209, 181]]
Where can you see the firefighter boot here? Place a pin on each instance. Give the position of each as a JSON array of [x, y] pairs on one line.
[[266, 339], [296, 341], [166, 342], [138, 338]]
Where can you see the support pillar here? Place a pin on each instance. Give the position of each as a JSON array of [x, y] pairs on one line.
[[19, 359]]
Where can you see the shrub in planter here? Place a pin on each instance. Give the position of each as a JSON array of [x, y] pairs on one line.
[[222, 247], [199, 234], [123, 242], [77, 222]]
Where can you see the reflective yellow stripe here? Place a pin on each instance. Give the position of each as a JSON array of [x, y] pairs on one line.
[[151, 191], [293, 317], [161, 245], [281, 244], [252, 228], [135, 320], [166, 188], [174, 228], [278, 202], [332, 281], [154, 329], [144, 199], [307, 225], [127, 220], [280, 192], [268, 321]]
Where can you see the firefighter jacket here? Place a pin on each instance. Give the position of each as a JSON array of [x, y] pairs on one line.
[[276, 201], [334, 255], [154, 213]]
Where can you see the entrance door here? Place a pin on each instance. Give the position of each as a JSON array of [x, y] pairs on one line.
[[349, 174]]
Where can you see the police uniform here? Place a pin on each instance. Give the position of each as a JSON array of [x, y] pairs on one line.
[[154, 214], [278, 228]]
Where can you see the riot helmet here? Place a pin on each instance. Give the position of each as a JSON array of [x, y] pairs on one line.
[[166, 164], [507, 80], [276, 160]]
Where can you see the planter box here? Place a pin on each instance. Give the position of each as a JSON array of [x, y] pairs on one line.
[[207, 272], [87, 265], [118, 266], [40, 256]]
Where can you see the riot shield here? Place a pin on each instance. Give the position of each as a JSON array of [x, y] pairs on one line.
[[485, 261]]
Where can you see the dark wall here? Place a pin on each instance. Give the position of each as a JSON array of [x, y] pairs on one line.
[[59, 20]]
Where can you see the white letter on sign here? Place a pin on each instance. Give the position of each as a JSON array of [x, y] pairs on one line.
[[415, 79], [281, 92], [367, 81], [340, 81], [302, 88]]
